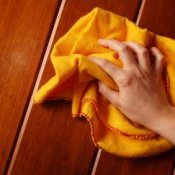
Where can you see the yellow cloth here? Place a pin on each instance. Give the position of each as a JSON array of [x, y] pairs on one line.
[[76, 79]]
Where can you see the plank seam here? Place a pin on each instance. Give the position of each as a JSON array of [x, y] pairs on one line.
[[140, 12], [96, 161], [137, 19], [46, 55]]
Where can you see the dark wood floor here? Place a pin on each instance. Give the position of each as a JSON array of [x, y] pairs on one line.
[[44, 139]]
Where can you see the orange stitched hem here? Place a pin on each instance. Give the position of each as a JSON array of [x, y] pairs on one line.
[[118, 131], [115, 130], [92, 130]]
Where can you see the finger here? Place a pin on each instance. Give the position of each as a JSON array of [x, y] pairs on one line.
[[125, 53], [142, 54], [111, 95], [110, 68], [159, 61]]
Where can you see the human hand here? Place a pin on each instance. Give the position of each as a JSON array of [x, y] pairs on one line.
[[141, 96]]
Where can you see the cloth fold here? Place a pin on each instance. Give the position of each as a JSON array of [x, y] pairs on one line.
[[76, 79]]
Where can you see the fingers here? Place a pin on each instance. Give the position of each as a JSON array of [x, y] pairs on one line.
[[126, 50], [110, 68], [159, 61], [141, 53], [111, 95], [125, 53]]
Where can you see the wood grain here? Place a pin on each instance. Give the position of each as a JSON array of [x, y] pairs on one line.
[[24, 30], [156, 16], [156, 165], [159, 16], [53, 142]]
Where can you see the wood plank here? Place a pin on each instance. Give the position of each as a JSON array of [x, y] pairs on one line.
[[158, 17], [159, 21], [53, 142], [24, 30], [156, 165]]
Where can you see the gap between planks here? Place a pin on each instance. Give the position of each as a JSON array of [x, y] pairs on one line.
[[100, 150], [37, 85], [38, 81], [46, 55]]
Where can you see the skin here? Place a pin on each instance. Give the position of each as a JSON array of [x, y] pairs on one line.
[[141, 96]]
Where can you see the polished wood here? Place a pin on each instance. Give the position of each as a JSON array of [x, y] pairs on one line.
[[157, 165], [156, 16], [53, 142], [24, 30]]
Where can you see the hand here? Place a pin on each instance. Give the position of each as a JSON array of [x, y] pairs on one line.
[[141, 96]]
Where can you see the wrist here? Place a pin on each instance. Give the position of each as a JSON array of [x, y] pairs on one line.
[[165, 124]]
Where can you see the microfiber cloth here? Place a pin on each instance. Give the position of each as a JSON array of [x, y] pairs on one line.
[[76, 79]]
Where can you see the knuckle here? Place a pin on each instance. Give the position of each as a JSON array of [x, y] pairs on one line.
[[104, 62], [108, 66], [101, 89], [123, 48], [143, 52], [161, 58], [159, 62], [112, 41], [125, 80]]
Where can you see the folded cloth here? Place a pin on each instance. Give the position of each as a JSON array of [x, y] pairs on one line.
[[76, 79]]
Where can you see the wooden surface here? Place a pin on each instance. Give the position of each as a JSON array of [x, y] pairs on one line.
[[24, 29], [159, 16], [47, 140], [162, 164], [54, 142]]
